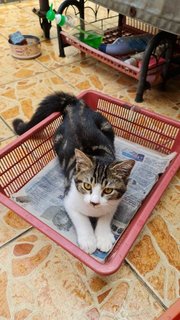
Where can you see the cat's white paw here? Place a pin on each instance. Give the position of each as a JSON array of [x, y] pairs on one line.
[[105, 242], [87, 243]]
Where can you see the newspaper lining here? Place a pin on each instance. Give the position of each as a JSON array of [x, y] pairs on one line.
[[43, 195]]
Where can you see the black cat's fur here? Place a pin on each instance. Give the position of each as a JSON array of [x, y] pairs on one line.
[[82, 128]]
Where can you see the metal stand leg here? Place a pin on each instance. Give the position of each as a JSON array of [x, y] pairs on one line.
[[168, 57], [161, 37], [41, 13], [80, 6]]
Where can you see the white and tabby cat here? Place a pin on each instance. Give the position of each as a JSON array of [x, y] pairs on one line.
[[94, 180]]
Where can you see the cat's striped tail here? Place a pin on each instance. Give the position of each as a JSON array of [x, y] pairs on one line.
[[56, 102]]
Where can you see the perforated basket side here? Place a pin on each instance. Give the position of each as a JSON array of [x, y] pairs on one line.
[[133, 125], [27, 158]]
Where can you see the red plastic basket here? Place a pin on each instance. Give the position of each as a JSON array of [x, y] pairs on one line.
[[28, 154], [172, 313]]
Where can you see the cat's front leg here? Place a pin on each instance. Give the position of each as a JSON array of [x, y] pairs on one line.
[[104, 235], [85, 233]]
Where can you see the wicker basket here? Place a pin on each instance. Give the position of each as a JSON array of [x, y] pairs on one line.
[[30, 50]]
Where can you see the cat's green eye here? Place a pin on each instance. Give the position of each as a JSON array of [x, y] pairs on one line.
[[87, 186], [108, 190]]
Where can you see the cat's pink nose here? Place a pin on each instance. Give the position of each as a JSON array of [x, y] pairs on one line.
[[94, 203]]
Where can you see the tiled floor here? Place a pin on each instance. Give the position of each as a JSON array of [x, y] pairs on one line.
[[39, 280]]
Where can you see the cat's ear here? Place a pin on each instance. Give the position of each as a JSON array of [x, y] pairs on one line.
[[83, 162], [123, 168]]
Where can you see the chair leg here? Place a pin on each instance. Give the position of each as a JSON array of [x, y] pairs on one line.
[[161, 37], [65, 4]]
